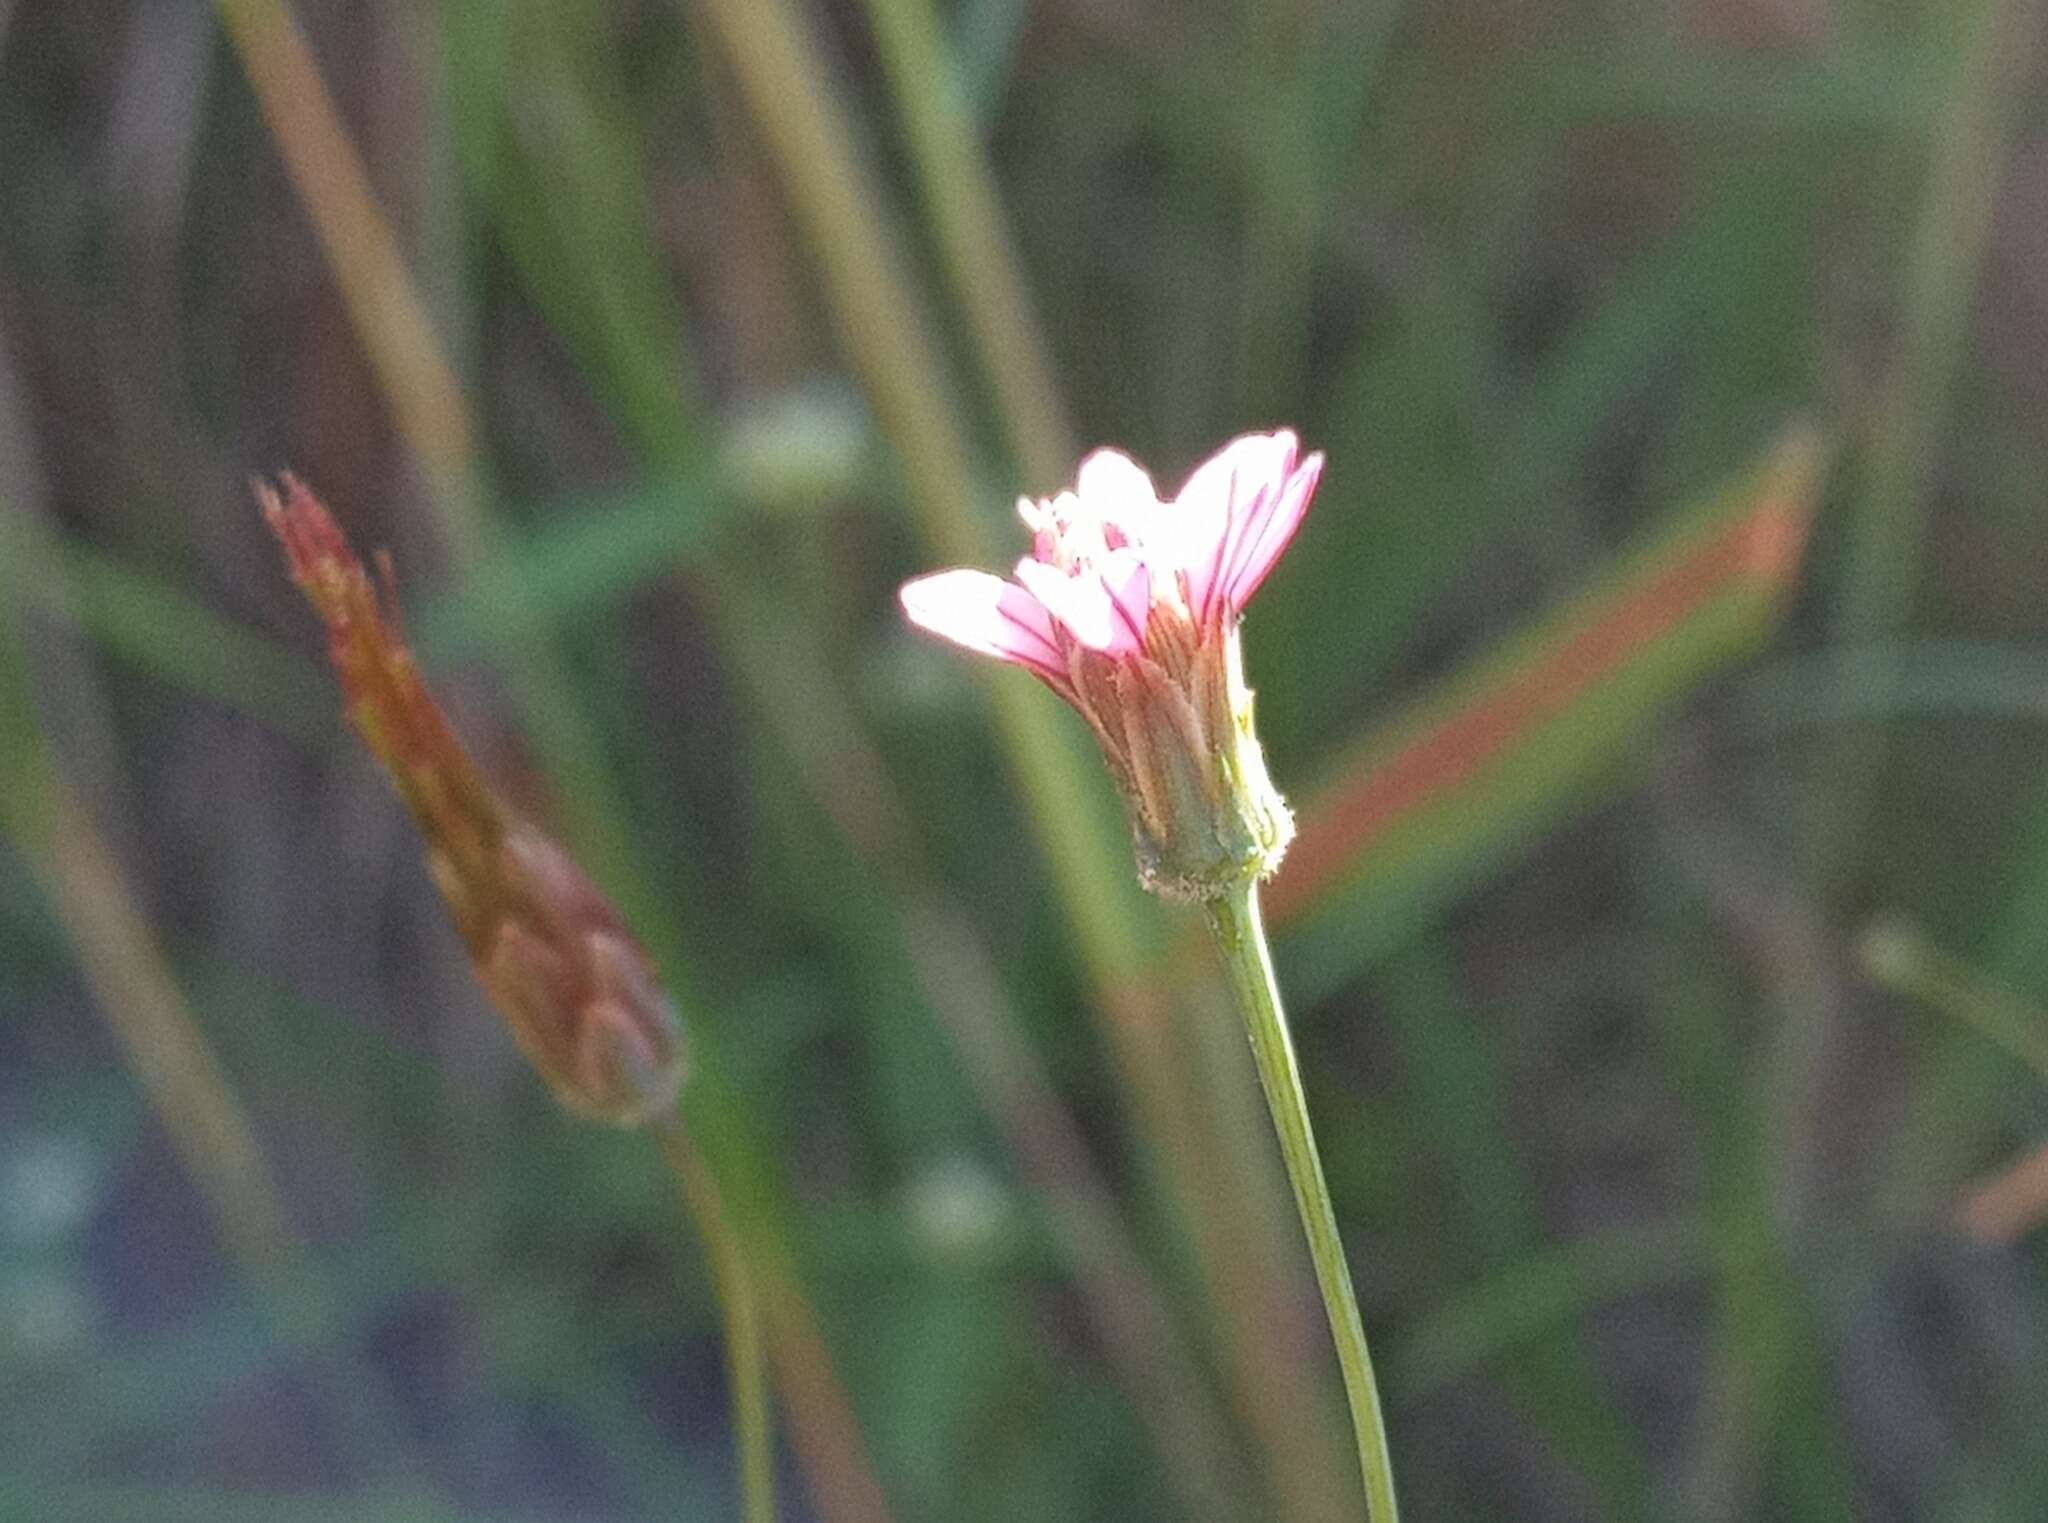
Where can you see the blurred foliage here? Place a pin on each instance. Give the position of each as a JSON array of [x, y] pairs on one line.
[[660, 342]]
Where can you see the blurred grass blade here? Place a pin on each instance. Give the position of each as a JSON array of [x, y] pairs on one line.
[[556, 163], [1953, 680], [97, 1501], [1891, 89], [77, 870], [2011, 1202], [757, 625], [432, 413], [986, 34], [390, 319], [1466, 774], [1898, 955], [1523, 1302], [885, 331], [1460, 1087], [587, 555], [973, 235], [887, 336], [1970, 145], [119, 957], [1901, 957], [148, 622], [210, 1130], [582, 562]]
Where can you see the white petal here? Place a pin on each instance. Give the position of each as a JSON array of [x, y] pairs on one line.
[[987, 615], [1110, 481], [1079, 602]]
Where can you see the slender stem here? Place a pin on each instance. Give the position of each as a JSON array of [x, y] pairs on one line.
[[746, 1347], [974, 241], [69, 858], [383, 303], [1241, 937]]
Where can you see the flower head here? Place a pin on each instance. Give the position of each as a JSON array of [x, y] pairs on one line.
[[1128, 608], [579, 994]]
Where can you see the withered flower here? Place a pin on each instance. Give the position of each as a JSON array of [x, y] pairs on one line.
[[580, 995]]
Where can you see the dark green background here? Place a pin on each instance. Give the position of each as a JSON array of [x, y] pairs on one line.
[[1650, 1190]]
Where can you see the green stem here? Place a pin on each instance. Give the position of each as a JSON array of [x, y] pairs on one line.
[[966, 215], [1241, 937], [745, 1346]]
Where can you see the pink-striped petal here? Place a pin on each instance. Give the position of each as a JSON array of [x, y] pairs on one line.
[[1257, 488], [1082, 603], [1127, 578], [1217, 497], [987, 615], [1266, 532]]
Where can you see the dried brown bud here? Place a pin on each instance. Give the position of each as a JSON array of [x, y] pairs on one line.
[[581, 997], [579, 993]]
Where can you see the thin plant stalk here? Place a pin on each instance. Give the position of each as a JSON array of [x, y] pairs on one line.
[[1969, 151], [746, 1346], [1241, 938], [71, 861], [431, 414], [1248, 1260], [967, 218], [837, 201], [419, 382], [957, 976], [888, 339], [384, 304]]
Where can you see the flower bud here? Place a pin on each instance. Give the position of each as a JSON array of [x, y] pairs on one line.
[[579, 994]]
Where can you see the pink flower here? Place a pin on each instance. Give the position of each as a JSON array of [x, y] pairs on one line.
[[1109, 557], [1128, 608]]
